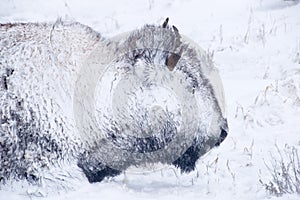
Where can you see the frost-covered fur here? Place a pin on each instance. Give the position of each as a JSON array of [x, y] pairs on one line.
[[39, 65], [37, 70]]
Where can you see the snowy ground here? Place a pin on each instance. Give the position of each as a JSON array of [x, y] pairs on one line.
[[256, 45]]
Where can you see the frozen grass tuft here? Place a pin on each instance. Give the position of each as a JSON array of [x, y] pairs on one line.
[[285, 173]]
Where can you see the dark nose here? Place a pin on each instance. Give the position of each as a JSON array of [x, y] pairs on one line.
[[222, 137]]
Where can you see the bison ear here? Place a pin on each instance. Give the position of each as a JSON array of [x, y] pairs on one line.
[[172, 61], [173, 58]]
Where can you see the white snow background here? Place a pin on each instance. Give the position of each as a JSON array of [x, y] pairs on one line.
[[256, 46]]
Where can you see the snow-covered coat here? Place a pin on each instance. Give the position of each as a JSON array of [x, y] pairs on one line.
[[50, 82]]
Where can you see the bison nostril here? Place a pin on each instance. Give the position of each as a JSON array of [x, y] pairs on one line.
[[223, 135]]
